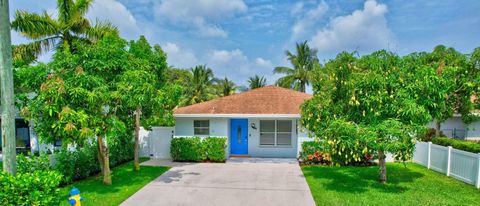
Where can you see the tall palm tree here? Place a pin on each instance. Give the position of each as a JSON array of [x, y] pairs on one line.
[[257, 82], [304, 62], [48, 33], [226, 87], [201, 85]]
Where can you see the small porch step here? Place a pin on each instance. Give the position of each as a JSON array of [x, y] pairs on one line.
[[240, 156]]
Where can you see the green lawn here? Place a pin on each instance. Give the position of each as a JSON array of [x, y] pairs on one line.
[[413, 185], [125, 182]]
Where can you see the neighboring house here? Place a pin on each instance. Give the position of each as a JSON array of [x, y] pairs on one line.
[[262, 122], [455, 127], [26, 139]]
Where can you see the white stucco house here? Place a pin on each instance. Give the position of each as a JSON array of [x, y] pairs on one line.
[[262, 122], [454, 127]]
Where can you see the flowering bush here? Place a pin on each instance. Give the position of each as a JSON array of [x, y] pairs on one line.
[[314, 152]]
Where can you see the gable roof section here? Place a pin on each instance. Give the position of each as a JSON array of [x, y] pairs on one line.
[[269, 100]]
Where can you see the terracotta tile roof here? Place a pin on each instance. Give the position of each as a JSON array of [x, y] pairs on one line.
[[265, 100]]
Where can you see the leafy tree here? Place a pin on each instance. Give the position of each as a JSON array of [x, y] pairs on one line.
[[226, 87], [304, 62], [138, 89], [370, 97], [257, 82], [200, 88], [48, 32], [178, 76], [449, 82], [76, 101], [181, 78]]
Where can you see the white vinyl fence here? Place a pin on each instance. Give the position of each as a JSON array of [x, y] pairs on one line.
[[462, 165], [156, 142]]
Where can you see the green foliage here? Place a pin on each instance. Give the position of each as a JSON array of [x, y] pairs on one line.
[[464, 145], [31, 163], [225, 87], [201, 88], [304, 62], [430, 134], [215, 148], [349, 144], [48, 33], [196, 149], [363, 107], [81, 162], [187, 149], [77, 164], [121, 149], [33, 188], [314, 152], [256, 82]]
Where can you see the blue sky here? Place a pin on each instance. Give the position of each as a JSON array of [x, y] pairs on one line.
[[241, 38]]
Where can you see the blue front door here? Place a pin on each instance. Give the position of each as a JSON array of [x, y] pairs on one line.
[[239, 136]]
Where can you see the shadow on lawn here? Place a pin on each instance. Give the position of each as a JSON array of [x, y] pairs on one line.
[[123, 177], [362, 179]]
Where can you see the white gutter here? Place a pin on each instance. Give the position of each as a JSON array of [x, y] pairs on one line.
[[240, 115]]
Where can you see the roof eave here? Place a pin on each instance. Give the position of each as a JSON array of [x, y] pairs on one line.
[[239, 115]]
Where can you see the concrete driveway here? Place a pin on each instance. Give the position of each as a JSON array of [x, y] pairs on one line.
[[240, 181]]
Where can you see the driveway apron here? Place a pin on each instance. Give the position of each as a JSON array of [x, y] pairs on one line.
[[240, 181]]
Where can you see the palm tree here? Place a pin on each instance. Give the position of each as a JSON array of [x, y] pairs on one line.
[[257, 82], [48, 33], [201, 85], [226, 87], [304, 62]]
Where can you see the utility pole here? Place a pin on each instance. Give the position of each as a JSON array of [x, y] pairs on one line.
[[6, 84]]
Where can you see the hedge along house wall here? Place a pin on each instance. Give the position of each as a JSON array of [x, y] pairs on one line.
[[197, 149], [461, 165]]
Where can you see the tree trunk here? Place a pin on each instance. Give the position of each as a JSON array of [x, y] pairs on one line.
[[104, 161], [437, 128], [7, 97], [136, 164], [383, 167]]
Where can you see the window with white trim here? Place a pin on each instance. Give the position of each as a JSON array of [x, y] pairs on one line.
[[201, 127], [275, 132]]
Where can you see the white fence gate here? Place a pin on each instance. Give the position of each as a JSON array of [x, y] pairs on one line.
[[156, 143], [462, 165]]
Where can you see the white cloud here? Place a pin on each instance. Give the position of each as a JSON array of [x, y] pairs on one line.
[[364, 30], [179, 57], [117, 14], [235, 65], [263, 62], [201, 14], [307, 21]]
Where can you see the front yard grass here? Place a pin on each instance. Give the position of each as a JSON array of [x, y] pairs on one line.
[[410, 185], [125, 182]]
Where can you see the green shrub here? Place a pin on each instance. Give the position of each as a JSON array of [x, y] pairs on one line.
[[82, 162], [32, 163], [78, 163], [187, 149], [430, 134], [464, 145], [314, 152], [215, 148], [121, 149], [36, 188]]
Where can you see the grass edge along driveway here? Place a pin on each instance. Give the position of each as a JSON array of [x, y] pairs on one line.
[[125, 182], [410, 185]]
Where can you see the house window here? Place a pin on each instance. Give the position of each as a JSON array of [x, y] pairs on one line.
[[201, 127], [275, 132]]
